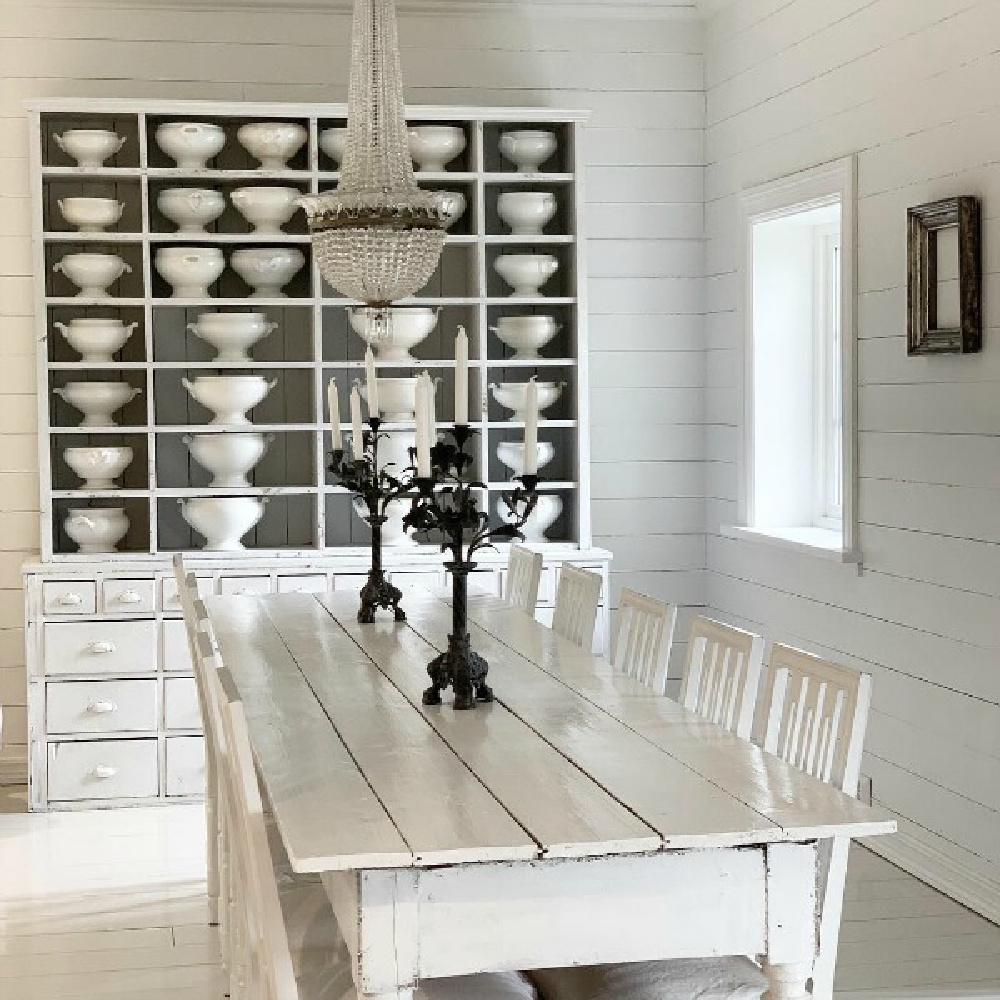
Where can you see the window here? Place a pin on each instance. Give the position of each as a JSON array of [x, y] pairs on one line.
[[797, 440]]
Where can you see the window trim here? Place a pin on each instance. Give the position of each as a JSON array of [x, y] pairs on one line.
[[812, 188]]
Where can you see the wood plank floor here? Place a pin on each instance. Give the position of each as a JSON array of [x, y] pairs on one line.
[[112, 904]]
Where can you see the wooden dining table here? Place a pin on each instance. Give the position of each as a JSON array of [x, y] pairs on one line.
[[579, 819]]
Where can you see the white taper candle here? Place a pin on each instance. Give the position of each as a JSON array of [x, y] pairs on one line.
[[423, 446], [357, 430], [333, 404], [461, 377], [372, 381], [531, 428]]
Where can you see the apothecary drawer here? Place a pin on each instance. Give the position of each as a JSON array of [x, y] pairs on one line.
[[69, 597], [129, 596], [102, 769], [170, 599], [180, 703], [100, 706], [244, 586], [99, 647], [185, 765], [303, 583], [176, 653]]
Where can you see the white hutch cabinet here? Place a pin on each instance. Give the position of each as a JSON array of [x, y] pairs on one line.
[[113, 717]]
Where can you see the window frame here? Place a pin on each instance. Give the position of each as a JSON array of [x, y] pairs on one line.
[[812, 188]]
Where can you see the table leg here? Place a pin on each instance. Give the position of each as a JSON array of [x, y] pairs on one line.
[[788, 981]]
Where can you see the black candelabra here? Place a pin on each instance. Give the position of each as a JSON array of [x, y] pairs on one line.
[[377, 488], [447, 503]]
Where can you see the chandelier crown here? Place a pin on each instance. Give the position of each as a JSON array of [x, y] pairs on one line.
[[378, 237]]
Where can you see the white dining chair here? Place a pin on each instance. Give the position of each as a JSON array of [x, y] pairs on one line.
[[578, 595], [817, 714], [641, 637], [524, 572], [722, 674], [196, 625], [286, 944]]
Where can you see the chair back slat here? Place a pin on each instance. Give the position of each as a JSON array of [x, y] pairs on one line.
[[641, 638], [578, 596], [817, 713], [524, 571], [722, 674]]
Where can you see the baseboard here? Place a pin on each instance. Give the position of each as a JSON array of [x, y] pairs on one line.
[[971, 991], [962, 883], [14, 765]]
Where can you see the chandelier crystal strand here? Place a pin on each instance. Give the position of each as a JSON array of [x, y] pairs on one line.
[[378, 238]]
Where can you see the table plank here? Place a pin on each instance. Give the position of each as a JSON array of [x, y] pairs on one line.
[[328, 816], [442, 811], [685, 808], [802, 806], [570, 816]]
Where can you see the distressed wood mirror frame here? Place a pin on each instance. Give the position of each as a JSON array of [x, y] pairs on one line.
[[924, 223]]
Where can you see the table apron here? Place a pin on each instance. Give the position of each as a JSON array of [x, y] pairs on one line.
[[404, 925]]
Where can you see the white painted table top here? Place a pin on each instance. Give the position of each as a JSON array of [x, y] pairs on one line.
[[572, 760]]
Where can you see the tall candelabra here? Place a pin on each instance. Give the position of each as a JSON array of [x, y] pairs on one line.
[[447, 503], [378, 488]]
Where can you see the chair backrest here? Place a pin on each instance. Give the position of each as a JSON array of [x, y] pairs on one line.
[[524, 571], [641, 637], [264, 964], [577, 597], [722, 673], [817, 715]]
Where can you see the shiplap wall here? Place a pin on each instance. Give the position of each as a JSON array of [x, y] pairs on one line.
[[910, 85], [643, 79]]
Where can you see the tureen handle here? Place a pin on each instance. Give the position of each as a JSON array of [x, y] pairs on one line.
[[80, 519], [186, 439], [60, 392], [272, 384], [61, 327], [184, 381], [120, 143], [58, 140]]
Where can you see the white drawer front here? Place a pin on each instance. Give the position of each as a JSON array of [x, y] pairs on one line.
[[69, 597], [175, 651], [170, 599], [185, 765], [180, 703], [99, 647], [100, 706], [313, 583], [129, 596], [103, 769], [547, 585], [350, 581], [240, 586], [417, 578]]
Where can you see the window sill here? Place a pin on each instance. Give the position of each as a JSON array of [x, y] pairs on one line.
[[820, 542]]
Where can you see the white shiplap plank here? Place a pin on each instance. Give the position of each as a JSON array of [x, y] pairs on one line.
[[324, 808]]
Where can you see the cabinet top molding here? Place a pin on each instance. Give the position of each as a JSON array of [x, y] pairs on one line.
[[123, 105]]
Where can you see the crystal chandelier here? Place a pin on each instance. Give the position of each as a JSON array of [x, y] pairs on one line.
[[377, 238]]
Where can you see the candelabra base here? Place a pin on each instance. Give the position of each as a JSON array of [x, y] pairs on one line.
[[463, 671], [377, 593]]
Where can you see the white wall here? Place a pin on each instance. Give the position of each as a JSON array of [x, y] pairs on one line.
[[642, 78], [910, 85]]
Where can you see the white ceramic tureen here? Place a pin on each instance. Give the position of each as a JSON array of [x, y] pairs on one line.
[[232, 334], [406, 327], [527, 149], [547, 510], [526, 272], [91, 215], [229, 396], [267, 269], [191, 209], [190, 270], [90, 147], [229, 457], [526, 335], [433, 147], [96, 529], [92, 273], [397, 398], [97, 401], [95, 339], [98, 467], [511, 396], [526, 212], [267, 209], [273, 143], [511, 453], [190, 144], [223, 521]]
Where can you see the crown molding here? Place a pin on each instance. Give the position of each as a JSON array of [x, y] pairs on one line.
[[582, 9]]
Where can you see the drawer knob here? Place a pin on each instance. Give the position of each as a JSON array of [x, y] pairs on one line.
[[70, 600], [102, 707], [102, 646], [130, 597], [105, 771]]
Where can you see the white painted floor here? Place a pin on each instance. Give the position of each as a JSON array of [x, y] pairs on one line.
[[112, 904]]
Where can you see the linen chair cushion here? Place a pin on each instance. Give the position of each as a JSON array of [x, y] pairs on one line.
[[729, 978]]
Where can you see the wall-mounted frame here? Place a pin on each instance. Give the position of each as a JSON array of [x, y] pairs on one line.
[[924, 223]]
